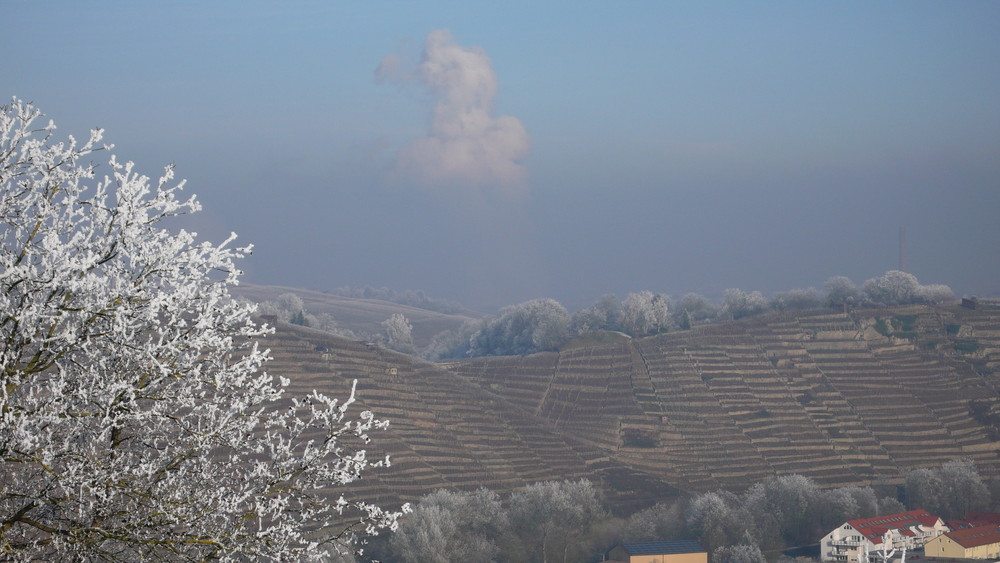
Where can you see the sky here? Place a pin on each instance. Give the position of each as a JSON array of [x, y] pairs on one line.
[[491, 153]]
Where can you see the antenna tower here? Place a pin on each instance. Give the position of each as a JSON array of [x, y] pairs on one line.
[[902, 249]]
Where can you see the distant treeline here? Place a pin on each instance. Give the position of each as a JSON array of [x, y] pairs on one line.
[[396, 333], [791, 510], [544, 324], [568, 521]]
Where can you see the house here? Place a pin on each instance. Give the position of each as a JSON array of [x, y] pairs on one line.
[[975, 537], [981, 542], [687, 551], [910, 530]]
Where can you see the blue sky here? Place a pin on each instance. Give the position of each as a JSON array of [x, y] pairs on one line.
[[670, 146]]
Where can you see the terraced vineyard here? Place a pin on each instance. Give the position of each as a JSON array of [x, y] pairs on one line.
[[844, 399], [444, 432]]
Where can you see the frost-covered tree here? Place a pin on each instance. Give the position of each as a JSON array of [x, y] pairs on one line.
[[949, 491], [889, 505], [791, 501], [295, 307], [739, 553], [737, 303], [693, 307], [451, 343], [645, 312], [136, 421], [935, 293], [840, 292], [866, 501], [966, 489], [716, 519], [450, 526], [845, 503], [532, 326], [779, 511], [604, 314], [660, 522], [399, 333], [554, 520], [796, 300], [892, 288], [289, 308], [900, 288], [926, 490]]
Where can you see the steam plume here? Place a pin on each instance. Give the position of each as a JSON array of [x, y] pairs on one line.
[[465, 145]]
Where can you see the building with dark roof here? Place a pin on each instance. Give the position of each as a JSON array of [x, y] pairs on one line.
[[686, 551], [909, 530], [980, 542]]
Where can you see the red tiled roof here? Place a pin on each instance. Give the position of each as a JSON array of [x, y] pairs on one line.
[[975, 537], [984, 517], [975, 519], [874, 528]]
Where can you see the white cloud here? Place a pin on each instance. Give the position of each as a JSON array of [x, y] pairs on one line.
[[465, 145]]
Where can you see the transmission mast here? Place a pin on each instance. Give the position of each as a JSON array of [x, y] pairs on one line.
[[902, 249]]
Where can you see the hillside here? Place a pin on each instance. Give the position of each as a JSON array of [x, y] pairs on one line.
[[361, 315], [844, 399], [444, 431]]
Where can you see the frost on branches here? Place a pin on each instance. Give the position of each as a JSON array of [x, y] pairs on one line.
[[137, 423]]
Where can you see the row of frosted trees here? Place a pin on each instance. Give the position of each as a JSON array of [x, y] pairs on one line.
[[544, 324], [567, 521]]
